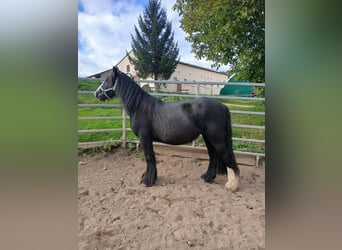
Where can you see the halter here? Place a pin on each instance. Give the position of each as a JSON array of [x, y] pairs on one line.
[[104, 91]]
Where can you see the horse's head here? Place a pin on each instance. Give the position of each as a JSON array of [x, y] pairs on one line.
[[107, 88]]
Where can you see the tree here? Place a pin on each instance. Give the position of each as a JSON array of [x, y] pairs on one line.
[[227, 32], [153, 46]]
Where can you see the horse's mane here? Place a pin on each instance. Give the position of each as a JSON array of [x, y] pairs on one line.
[[134, 98]]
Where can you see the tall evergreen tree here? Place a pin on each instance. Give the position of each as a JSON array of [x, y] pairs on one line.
[[153, 45]]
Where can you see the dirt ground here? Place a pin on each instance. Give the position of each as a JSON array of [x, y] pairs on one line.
[[180, 212]]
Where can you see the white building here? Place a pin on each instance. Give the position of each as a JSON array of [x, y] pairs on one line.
[[183, 72]]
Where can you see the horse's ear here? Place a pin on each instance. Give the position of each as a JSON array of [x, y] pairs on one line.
[[115, 69]]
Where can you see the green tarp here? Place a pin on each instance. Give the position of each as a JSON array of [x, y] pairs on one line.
[[236, 90]]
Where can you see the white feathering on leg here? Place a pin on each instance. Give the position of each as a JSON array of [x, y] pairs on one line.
[[233, 180]]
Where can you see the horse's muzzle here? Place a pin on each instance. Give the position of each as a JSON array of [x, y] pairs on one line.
[[99, 95]]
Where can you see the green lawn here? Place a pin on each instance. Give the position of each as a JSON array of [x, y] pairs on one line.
[[109, 124]]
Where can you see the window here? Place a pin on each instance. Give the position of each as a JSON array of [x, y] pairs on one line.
[[128, 68]]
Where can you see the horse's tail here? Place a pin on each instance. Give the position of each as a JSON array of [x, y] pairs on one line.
[[229, 143], [229, 133], [221, 167]]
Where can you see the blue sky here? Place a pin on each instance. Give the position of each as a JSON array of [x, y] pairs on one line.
[[105, 28]]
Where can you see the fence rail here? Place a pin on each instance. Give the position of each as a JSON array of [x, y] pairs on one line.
[[99, 106], [125, 117]]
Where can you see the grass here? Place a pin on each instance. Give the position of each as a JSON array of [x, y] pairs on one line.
[[106, 124], [98, 112]]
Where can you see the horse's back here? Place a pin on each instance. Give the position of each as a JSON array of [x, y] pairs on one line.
[[205, 108]]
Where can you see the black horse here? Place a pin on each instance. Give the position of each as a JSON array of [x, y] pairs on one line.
[[175, 123]]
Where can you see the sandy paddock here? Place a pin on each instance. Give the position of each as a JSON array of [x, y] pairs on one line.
[[180, 212]]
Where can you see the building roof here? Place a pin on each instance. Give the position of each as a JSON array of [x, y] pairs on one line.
[[97, 75], [180, 62], [203, 68]]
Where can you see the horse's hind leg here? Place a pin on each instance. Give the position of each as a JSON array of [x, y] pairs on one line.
[[150, 176], [216, 165], [233, 172], [210, 175], [225, 151]]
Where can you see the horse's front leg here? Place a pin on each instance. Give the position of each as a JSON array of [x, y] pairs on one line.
[[150, 176]]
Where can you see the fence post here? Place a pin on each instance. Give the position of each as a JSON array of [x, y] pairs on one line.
[[197, 90], [123, 138]]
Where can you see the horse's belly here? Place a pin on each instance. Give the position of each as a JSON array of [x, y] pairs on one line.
[[179, 133], [178, 140]]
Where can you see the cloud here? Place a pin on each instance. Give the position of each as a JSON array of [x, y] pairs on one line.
[[105, 28], [104, 34]]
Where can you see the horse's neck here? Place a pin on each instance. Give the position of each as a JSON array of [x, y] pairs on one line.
[[135, 99]]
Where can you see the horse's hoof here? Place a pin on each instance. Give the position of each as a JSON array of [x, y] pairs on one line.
[[145, 185], [144, 180], [232, 187], [233, 181], [207, 177]]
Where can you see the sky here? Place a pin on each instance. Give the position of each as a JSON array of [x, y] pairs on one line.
[[105, 28]]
